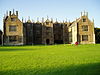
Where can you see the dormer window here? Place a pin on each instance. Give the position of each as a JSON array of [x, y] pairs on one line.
[[84, 20], [47, 23], [13, 19]]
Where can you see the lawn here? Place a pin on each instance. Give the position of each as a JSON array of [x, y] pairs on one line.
[[50, 60]]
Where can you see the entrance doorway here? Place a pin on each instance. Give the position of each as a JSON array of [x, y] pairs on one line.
[[47, 41]]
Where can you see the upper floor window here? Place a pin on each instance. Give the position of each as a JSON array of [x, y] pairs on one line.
[[47, 28], [38, 32], [85, 28], [84, 20], [84, 37], [12, 28], [13, 19]]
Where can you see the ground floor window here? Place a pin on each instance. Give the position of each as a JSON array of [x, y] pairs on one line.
[[84, 28], [20, 39], [12, 38], [70, 36], [84, 37]]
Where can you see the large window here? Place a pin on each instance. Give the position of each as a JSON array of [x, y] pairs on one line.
[[84, 37], [12, 28], [12, 38], [70, 36], [47, 28], [85, 28]]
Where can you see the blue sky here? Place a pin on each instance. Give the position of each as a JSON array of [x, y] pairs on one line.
[[60, 9]]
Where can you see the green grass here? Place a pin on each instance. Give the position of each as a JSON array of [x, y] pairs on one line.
[[50, 60]]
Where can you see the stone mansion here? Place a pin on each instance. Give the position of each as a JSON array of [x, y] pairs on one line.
[[17, 32]]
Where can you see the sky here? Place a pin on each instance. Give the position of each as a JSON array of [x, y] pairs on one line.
[[60, 9]]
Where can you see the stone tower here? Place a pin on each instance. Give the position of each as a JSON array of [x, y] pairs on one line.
[[85, 27], [13, 29], [65, 32], [37, 32], [58, 32], [47, 32], [28, 33]]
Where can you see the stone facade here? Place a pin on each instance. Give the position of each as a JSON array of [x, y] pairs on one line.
[[13, 29], [47, 32]]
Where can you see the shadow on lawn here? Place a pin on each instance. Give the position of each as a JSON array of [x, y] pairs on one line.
[[85, 69]]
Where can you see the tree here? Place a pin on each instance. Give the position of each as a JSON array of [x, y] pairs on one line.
[[97, 35], [0, 37]]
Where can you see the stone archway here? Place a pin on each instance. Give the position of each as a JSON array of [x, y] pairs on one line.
[[47, 41]]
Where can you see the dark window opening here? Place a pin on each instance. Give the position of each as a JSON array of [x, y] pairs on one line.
[[84, 37], [13, 19], [47, 28], [12, 28], [84, 20], [58, 41]]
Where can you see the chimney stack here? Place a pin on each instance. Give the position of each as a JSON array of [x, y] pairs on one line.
[[9, 13], [17, 13]]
